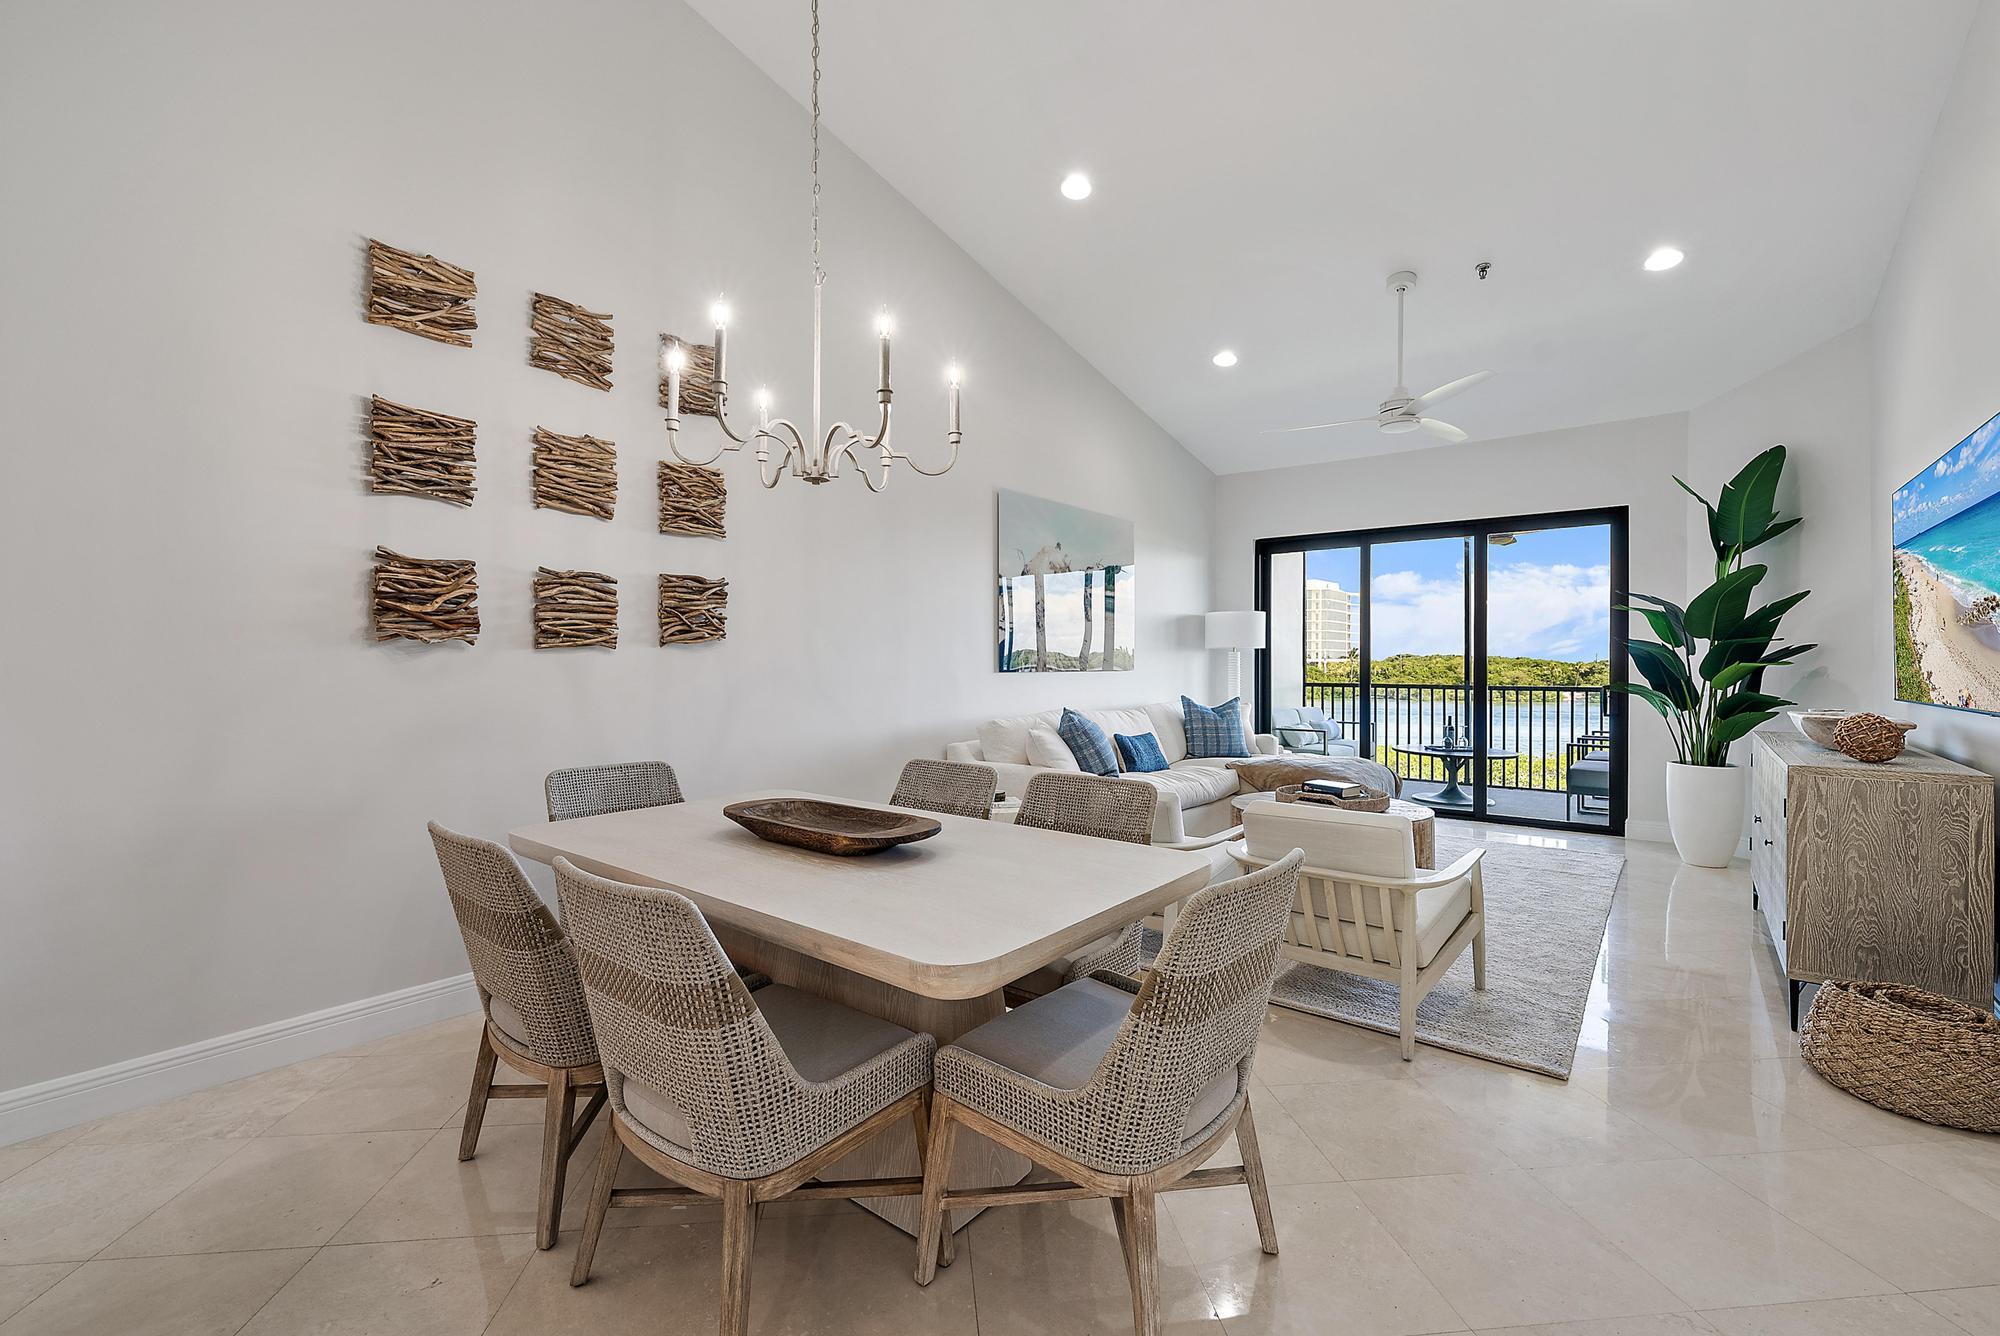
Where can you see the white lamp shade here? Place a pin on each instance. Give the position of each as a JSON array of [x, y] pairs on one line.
[[1233, 630]]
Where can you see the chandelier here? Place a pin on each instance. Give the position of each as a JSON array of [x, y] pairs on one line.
[[814, 455]]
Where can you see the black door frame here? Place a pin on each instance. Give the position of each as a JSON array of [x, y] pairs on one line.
[[1617, 519]]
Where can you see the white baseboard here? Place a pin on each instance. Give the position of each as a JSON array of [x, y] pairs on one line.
[[31, 1111]]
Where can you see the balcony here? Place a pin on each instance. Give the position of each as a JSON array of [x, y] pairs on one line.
[[1545, 729]]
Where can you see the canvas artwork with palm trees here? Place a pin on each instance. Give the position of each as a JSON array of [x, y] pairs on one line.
[[1066, 588]]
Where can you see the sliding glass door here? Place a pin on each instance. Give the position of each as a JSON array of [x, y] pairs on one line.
[[1474, 659]]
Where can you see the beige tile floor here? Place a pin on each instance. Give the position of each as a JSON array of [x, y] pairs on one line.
[[1694, 1176]]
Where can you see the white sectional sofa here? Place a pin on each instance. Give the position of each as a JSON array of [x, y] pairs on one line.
[[1194, 790]]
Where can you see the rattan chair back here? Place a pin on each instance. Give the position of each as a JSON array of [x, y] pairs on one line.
[[1197, 1015], [1080, 804], [949, 788], [517, 949], [594, 790], [671, 1011]]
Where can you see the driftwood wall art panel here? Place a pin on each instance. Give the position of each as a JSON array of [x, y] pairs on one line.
[[697, 378], [421, 294], [693, 608], [416, 452], [578, 474], [570, 341], [575, 608], [692, 499], [430, 599]]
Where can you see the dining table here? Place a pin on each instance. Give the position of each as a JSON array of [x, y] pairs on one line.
[[925, 935]]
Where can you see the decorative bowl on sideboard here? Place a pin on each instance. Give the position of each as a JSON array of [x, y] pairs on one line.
[[830, 828], [1818, 725]]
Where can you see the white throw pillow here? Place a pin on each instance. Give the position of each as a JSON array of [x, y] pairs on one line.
[[1169, 728], [1047, 750], [1005, 741]]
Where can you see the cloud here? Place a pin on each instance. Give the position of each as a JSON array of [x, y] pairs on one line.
[[1534, 610]]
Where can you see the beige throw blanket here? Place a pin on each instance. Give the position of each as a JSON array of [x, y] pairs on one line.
[[1268, 773]]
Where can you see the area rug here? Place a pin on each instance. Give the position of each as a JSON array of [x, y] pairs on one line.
[[1545, 915]]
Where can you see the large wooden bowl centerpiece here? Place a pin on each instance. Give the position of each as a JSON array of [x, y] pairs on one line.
[[830, 828]]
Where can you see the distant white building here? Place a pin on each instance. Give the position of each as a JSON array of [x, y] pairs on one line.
[[1333, 621]]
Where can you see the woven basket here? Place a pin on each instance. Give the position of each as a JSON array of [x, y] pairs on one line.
[[1373, 802], [1911, 1052], [1870, 737]]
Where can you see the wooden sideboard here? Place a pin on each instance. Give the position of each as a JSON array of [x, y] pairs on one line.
[[1873, 871]]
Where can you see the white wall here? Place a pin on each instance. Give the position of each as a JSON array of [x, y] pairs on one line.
[[216, 783], [1619, 463], [1820, 406], [1936, 343]]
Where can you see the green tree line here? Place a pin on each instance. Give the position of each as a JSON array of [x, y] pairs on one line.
[[1448, 669]]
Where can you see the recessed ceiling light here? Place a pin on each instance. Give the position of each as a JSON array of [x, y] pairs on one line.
[[1224, 358], [1666, 257], [1076, 186]]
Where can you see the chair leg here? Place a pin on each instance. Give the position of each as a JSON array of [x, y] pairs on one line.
[[1142, 1220], [739, 1237], [1479, 961], [1253, 1177], [475, 1103], [1407, 1019], [934, 1242], [600, 1202], [558, 1106]]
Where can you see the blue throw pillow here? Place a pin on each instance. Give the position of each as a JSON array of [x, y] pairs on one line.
[[1214, 732], [1140, 755], [1088, 744]]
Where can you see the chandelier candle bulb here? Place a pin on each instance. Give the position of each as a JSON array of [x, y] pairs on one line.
[[883, 324]]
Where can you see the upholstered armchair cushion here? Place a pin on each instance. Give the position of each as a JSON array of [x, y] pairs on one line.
[[1373, 844]]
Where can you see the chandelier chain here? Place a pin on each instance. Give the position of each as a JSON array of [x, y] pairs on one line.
[[819, 274]]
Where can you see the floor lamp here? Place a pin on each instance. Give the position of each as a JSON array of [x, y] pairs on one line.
[[1235, 632]]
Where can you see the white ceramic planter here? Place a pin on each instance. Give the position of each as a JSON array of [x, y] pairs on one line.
[[1705, 811]]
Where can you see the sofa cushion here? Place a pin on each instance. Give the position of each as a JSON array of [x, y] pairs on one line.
[[1194, 785], [1216, 731], [1168, 728], [1006, 740], [1047, 750], [1089, 744], [1132, 720], [1139, 755]]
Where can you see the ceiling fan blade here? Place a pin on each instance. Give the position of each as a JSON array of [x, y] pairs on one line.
[[1444, 431], [1437, 396], [1318, 426]]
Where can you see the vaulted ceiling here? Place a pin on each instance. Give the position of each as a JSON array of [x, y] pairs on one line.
[[1261, 167]]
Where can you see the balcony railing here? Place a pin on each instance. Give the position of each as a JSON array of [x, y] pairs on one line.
[[1537, 724]]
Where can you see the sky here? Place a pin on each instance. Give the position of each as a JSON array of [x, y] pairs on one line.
[[1549, 594], [1962, 477]]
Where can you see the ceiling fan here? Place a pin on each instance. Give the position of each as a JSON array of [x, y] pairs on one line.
[[1401, 411]]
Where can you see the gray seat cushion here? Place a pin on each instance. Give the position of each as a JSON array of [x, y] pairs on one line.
[[822, 1039], [1050, 976], [1060, 1039]]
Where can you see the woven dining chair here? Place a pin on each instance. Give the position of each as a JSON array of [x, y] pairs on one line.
[[535, 1014], [1108, 809], [950, 788], [1123, 1088], [725, 1094], [594, 790]]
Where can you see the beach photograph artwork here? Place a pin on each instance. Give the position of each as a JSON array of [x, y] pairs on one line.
[[1067, 588], [1946, 523]]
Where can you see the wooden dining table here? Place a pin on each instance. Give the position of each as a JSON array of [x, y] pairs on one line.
[[925, 935]]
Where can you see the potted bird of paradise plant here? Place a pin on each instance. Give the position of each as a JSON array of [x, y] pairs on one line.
[[1704, 672]]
